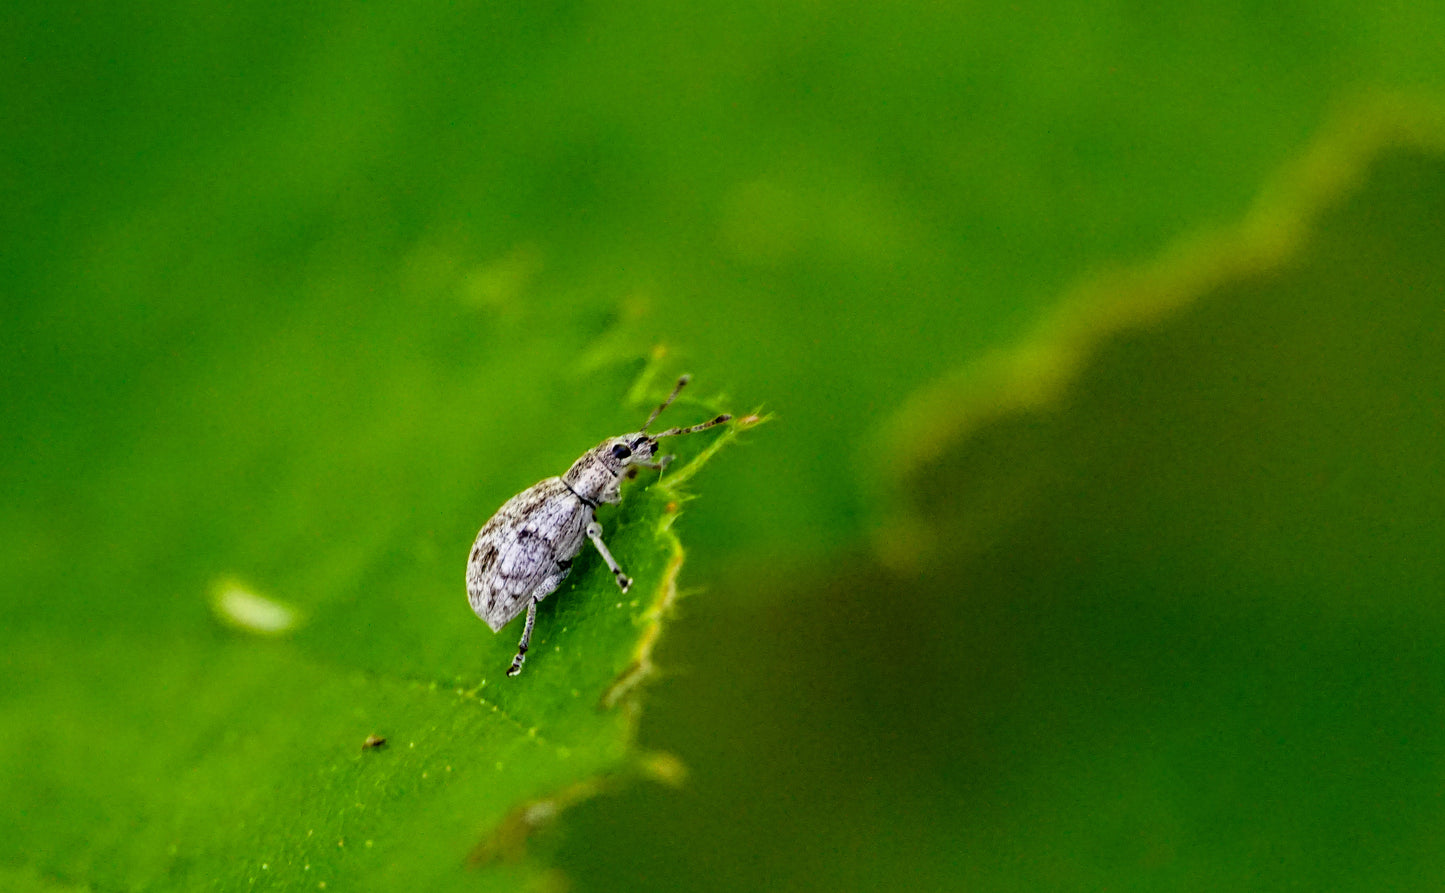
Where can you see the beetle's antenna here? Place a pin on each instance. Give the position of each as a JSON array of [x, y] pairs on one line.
[[668, 402], [673, 432]]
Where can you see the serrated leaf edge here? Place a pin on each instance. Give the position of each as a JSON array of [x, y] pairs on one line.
[[506, 841]]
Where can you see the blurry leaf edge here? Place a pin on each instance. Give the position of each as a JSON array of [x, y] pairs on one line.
[[1035, 372]]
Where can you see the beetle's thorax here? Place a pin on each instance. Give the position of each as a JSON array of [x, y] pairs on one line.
[[597, 476], [592, 479]]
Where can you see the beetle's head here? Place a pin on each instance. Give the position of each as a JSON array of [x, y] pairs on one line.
[[597, 474], [629, 449], [638, 449]]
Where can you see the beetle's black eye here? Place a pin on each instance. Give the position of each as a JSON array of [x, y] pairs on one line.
[[620, 451]]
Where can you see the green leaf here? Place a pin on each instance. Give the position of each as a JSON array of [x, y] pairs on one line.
[[222, 747], [295, 294]]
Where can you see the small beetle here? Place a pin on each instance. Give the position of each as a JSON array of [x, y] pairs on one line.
[[525, 551]]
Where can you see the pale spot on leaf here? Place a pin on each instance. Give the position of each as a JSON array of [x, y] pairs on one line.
[[241, 608]]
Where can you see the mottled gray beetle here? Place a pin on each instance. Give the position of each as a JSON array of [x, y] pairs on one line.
[[525, 551]]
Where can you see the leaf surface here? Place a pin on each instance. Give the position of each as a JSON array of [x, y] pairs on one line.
[[185, 752]]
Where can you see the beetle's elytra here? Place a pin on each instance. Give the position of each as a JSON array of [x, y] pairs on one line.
[[526, 550]]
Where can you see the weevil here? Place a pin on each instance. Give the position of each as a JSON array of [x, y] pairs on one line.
[[526, 550]]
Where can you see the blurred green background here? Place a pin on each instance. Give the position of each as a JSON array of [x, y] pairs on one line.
[[300, 294]]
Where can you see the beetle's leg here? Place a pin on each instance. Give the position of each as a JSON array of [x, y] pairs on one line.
[[594, 533], [516, 666]]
